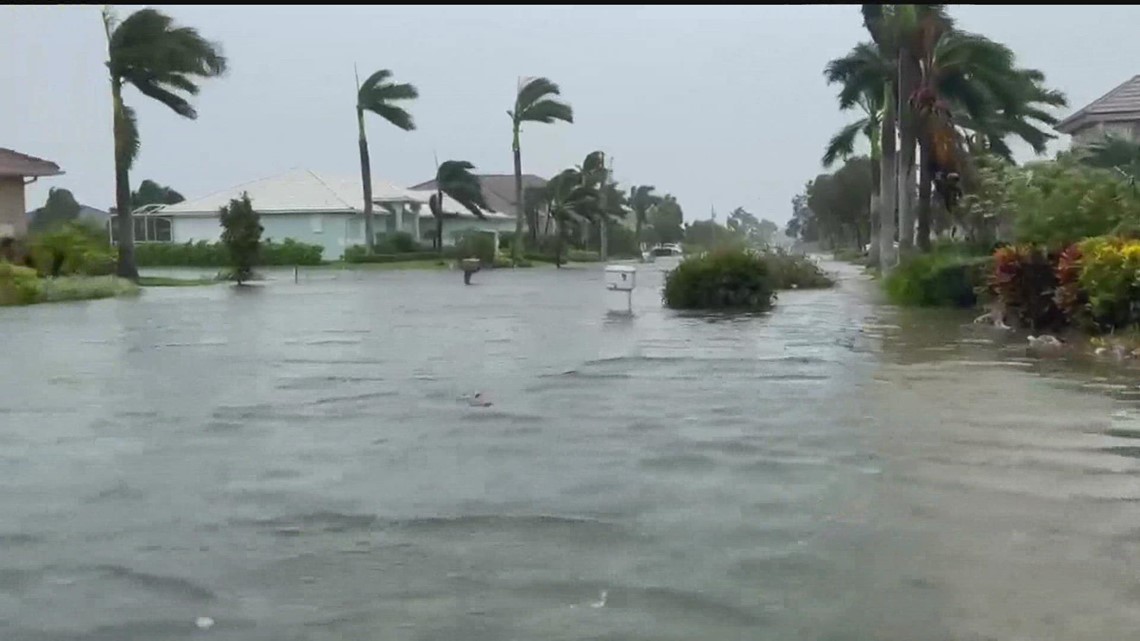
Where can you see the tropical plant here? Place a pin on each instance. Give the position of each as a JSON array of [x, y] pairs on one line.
[[379, 95], [572, 202], [536, 101], [1118, 154], [728, 279], [241, 236], [162, 61], [152, 193], [453, 178]]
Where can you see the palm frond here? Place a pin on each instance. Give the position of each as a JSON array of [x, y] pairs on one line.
[[533, 91], [455, 178], [842, 144], [127, 148], [376, 94], [547, 111]]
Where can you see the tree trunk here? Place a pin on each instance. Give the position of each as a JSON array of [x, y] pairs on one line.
[[561, 236], [366, 182], [887, 188], [439, 219], [908, 82], [126, 267], [873, 250], [637, 236], [924, 184], [517, 246]]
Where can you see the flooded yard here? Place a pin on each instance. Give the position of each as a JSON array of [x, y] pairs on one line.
[[300, 462]]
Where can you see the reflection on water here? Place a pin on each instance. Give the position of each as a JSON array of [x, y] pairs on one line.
[[300, 462]]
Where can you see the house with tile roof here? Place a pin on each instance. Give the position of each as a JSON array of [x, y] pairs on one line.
[[313, 208], [18, 170], [1116, 113]]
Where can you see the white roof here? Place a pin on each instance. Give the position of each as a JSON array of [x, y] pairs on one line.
[[297, 190]]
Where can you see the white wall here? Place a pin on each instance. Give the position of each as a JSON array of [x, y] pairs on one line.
[[13, 213]]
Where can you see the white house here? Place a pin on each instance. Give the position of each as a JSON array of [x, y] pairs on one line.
[[311, 208], [18, 170]]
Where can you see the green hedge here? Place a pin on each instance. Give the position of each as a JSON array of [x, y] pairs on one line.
[[22, 286], [205, 254], [727, 279], [938, 280]]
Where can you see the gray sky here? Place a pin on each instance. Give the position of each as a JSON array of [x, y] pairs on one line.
[[721, 106]]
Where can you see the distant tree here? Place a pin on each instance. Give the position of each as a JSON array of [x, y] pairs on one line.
[[241, 236], [536, 101], [61, 207], [454, 178], [667, 220], [753, 230], [152, 193], [841, 201], [164, 62], [641, 200], [709, 234], [378, 95], [572, 202]]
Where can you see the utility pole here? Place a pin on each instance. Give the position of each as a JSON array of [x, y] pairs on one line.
[[604, 231]]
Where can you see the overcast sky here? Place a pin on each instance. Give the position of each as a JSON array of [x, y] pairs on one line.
[[721, 106]]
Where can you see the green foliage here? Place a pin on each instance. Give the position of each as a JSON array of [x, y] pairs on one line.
[[400, 242], [18, 285], [206, 254], [358, 254], [1109, 275], [377, 94], [722, 280], [73, 248], [241, 236], [707, 235], [938, 279], [22, 286], [794, 271], [476, 244], [666, 221], [1057, 204], [583, 256]]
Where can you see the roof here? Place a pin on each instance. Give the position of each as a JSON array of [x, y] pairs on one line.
[[498, 189], [1122, 103], [14, 163], [297, 190]]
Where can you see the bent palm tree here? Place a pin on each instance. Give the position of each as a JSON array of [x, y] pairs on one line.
[[571, 200], [535, 102], [376, 95], [164, 62], [455, 179]]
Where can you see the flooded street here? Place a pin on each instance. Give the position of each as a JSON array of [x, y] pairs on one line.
[[299, 462]]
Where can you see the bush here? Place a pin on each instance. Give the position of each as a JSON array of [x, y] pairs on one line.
[[476, 244], [1059, 203], [359, 255], [582, 256], [1109, 275], [400, 242], [18, 285], [723, 280], [1024, 280], [792, 271], [938, 280], [206, 254], [73, 248], [241, 235]]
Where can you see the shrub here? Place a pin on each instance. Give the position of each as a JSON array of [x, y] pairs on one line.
[[792, 271], [938, 280], [582, 256], [206, 254], [400, 242], [241, 236], [73, 248], [1024, 280], [476, 244], [1059, 203], [726, 279], [358, 255], [1070, 296], [18, 285], [1110, 277]]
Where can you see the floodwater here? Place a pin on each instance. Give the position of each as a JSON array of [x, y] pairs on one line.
[[297, 462]]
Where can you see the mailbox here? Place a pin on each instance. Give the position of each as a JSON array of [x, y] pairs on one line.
[[622, 278]]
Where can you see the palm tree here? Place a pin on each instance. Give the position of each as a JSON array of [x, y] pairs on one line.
[[571, 201], [641, 200], [164, 62], [455, 179], [535, 102], [842, 145], [866, 79], [377, 96]]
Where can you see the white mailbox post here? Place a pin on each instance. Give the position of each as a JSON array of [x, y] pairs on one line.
[[622, 278]]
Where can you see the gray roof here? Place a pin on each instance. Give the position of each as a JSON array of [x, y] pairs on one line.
[[14, 163], [1122, 103], [498, 189]]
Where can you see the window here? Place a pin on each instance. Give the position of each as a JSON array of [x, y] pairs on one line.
[[148, 229], [317, 223], [163, 230]]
